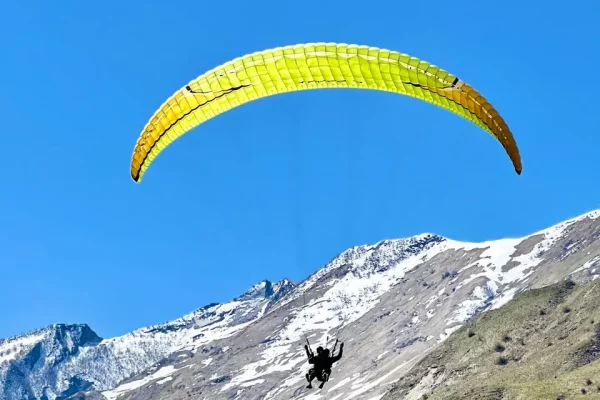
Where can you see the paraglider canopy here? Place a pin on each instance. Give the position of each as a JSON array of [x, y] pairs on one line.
[[313, 66]]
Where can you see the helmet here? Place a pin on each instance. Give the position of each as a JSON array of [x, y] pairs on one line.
[[319, 349]]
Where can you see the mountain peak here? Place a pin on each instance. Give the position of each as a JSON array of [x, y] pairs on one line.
[[78, 335], [69, 337], [283, 283], [260, 290], [382, 255], [265, 289]]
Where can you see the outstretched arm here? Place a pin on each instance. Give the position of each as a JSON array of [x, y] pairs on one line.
[[339, 356], [308, 352]]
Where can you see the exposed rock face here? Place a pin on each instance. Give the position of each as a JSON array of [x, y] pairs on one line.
[[392, 303], [60, 360]]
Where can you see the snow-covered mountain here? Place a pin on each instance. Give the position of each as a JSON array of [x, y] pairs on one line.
[[391, 303], [59, 360]]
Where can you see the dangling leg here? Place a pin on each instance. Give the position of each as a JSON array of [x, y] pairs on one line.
[[309, 377], [325, 378]]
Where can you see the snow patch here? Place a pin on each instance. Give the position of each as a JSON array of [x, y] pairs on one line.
[[447, 332], [341, 383], [252, 383], [164, 372], [377, 382], [588, 264], [480, 297], [507, 296]]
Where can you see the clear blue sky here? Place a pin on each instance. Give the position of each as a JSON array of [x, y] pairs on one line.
[[255, 193]]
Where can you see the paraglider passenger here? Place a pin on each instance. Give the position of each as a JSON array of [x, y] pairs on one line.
[[322, 364]]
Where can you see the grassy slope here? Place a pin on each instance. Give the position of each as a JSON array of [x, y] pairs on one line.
[[548, 339]]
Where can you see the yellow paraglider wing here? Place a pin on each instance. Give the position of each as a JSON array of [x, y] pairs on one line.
[[313, 66]]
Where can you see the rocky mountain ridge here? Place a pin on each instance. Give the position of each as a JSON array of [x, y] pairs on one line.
[[59, 360], [392, 303]]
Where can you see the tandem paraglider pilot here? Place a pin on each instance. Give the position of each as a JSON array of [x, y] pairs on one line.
[[322, 364]]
